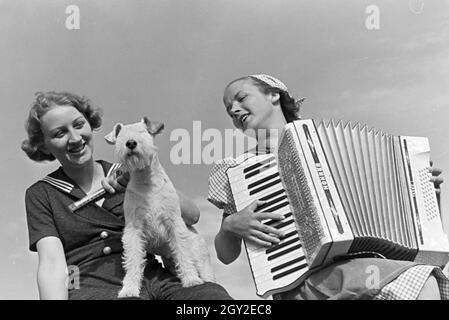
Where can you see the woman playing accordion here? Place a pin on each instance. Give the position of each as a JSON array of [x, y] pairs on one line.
[[263, 102]]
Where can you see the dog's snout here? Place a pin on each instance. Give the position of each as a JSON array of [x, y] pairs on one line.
[[131, 144]]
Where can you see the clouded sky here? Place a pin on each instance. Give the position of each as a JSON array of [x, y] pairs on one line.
[[170, 60]]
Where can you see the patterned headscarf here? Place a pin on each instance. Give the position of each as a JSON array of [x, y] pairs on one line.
[[275, 83], [271, 81]]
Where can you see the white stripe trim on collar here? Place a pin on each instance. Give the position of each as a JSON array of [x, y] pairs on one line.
[[60, 184], [68, 187]]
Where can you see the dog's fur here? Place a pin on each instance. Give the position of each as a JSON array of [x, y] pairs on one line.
[[153, 219]]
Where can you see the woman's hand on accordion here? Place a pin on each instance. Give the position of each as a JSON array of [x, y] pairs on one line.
[[247, 224], [436, 178]]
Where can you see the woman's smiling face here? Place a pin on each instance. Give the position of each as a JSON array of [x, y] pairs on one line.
[[67, 135], [248, 107]]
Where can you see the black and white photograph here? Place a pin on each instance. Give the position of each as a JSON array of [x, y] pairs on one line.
[[226, 150]]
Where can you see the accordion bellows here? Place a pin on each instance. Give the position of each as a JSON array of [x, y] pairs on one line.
[[354, 190]]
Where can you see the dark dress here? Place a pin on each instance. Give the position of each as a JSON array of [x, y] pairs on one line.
[[91, 238]]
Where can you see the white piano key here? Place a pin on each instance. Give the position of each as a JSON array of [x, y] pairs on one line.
[[259, 171], [245, 194], [283, 210], [238, 170], [256, 254], [268, 276], [270, 204], [263, 262], [263, 171], [256, 181], [261, 268], [254, 251], [244, 197]]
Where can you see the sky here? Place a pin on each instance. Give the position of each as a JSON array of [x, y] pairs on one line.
[[170, 60]]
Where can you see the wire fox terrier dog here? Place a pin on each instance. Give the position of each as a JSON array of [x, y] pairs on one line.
[[153, 219]]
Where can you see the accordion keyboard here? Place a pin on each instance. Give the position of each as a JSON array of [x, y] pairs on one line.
[[282, 264]]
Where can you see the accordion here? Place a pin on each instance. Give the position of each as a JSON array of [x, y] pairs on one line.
[[345, 190]]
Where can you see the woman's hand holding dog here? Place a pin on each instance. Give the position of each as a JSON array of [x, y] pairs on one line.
[[116, 182]]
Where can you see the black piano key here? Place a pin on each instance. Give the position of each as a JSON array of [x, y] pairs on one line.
[[291, 233], [279, 254], [283, 224], [270, 203], [251, 192], [286, 264], [279, 206], [263, 180], [252, 174], [259, 171], [272, 195], [254, 166], [287, 272], [272, 221], [281, 245], [257, 165]]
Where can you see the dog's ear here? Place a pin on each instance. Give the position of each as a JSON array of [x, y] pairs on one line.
[[111, 137], [153, 127]]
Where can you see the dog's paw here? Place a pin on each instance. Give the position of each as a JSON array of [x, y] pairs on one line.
[[190, 282], [127, 292]]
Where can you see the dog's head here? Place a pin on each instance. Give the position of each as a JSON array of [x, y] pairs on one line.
[[134, 143]]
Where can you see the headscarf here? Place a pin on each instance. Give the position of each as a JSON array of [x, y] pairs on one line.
[[276, 83]]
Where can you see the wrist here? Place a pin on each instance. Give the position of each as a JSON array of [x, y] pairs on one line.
[[226, 225], [227, 228]]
